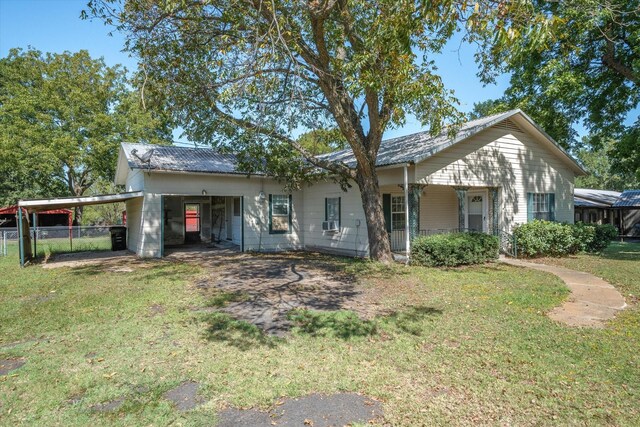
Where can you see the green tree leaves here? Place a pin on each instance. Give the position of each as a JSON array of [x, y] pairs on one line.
[[62, 118]]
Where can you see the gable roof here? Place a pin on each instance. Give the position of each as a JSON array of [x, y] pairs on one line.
[[179, 159], [412, 148], [420, 146], [628, 199]]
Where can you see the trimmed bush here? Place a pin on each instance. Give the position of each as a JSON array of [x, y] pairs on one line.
[[546, 238], [604, 234], [450, 250]]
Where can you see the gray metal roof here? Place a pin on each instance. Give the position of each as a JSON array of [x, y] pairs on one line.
[[628, 199], [603, 197], [420, 146], [405, 149], [584, 203], [179, 159]]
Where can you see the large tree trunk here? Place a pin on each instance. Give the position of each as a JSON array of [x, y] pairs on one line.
[[379, 247], [77, 217]]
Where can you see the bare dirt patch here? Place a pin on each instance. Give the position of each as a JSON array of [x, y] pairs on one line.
[[316, 410], [110, 406], [111, 261], [263, 289], [185, 396], [9, 365]]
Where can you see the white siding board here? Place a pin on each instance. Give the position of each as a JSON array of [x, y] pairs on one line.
[[513, 161], [352, 238]]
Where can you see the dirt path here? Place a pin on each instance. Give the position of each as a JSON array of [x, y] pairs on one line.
[[592, 301]]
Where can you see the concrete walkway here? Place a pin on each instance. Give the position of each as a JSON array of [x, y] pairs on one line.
[[592, 301]]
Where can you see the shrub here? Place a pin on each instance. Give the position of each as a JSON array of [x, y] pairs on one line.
[[540, 238], [454, 249], [546, 238], [604, 234]]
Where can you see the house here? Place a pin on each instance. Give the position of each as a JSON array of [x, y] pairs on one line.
[[494, 173], [621, 210]]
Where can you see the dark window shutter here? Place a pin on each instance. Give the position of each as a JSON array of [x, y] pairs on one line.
[[340, 212], [386, 209], [326, 209], [270, 215], [552, 207], [529, 207]]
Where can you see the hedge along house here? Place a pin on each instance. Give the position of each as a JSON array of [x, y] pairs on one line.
[[496, 172]]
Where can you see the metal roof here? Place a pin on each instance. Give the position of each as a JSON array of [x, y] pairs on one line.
[[35, 205], [604, 197], [405, 149], [179, 159], [420, 146], [584, 203], [628, 199]]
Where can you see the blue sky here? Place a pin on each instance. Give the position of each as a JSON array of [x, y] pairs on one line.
[[55, 26]]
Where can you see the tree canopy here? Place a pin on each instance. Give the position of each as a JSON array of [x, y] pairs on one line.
[[62, 118], [583, 67]]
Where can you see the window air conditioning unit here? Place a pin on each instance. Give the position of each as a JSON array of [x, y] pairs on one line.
[[330, 226]]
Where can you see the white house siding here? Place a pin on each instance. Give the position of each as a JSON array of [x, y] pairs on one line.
[[352, 238], [511, 160], [256, 212], [135, 180], [134, 219], [438, 208]]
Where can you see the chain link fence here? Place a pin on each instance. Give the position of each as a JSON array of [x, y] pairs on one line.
[[59, 239]]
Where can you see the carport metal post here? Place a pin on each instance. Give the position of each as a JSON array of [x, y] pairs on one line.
[[35, 235], [20, 239]]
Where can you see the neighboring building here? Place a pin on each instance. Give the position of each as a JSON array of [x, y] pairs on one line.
[[629, 206], [494, 173], [596, 206], [621, 210], [54, 217]]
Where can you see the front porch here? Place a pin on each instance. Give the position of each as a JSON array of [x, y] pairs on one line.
[[438, 209]]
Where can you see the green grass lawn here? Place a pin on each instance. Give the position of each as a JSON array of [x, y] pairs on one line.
[[460, 346]]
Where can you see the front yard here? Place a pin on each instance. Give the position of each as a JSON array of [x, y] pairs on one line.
[[102, 345]]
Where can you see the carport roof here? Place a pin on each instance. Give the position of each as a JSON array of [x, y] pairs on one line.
[[628, 199], [36, 205]]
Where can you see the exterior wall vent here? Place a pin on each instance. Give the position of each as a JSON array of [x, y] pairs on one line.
[[509, 125]]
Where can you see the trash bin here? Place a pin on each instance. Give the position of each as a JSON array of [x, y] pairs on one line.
[[118, 238]]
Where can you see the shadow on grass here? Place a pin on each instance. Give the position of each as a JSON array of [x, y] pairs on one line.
[[238, 333], [342, 324], [622, 252], [411, 320]]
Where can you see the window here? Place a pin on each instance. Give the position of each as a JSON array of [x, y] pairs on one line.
[[541, 206], [332, 210], [397, 213], [279, 213], [236, 206]]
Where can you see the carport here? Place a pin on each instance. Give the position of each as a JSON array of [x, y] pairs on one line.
[[26, 207]]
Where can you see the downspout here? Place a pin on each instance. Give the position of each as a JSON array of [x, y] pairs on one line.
[[407, 237]]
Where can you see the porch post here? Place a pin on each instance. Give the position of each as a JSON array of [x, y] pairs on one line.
[[461, 192], [493, 193], [415, 190], [20, 237]]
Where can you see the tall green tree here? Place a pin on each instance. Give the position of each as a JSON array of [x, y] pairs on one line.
[[62, 118], [246, 74], [602, 174], [581, 63]]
